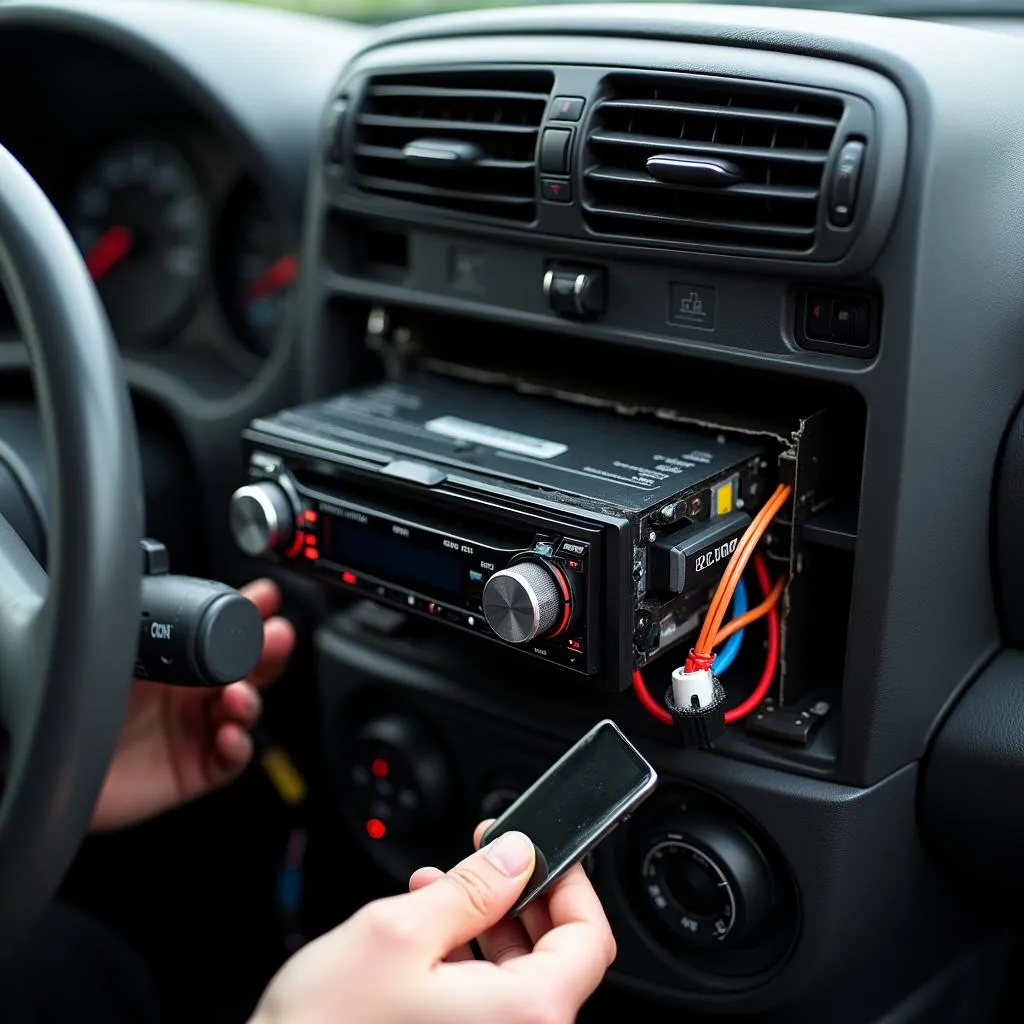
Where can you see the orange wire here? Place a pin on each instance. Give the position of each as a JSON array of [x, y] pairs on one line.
[[737, 564], [724, 593], [755, 613], [730, 580]]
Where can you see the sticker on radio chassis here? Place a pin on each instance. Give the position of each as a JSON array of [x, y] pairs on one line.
[[494, 437]]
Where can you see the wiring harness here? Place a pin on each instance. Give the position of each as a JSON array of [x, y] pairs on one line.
[[695, 700]]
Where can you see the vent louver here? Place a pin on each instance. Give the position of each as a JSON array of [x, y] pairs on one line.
[[706, 162], [461, 140]]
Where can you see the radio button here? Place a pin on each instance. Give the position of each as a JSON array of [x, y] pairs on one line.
[[523, 602], [573, 549], [262, 518]]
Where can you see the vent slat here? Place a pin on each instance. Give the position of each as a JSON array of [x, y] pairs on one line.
[[799, 156], [431, 124], [498, 111], [794, 193], [774, 141], [716, 110], [412, 188], [704, 223], [440, 92], [487, 164]]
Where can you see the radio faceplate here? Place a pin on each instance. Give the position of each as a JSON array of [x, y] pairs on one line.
[[588, 542], [444, 574]]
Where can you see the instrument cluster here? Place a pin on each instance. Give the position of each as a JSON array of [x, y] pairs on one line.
[[191, 255], [159, 241]]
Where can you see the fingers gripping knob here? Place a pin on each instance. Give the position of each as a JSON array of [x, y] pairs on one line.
[[523, 601]]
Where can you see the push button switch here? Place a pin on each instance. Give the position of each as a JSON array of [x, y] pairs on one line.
[[567, 108], [838, 322], [818, 324], [556, 190], [554, 151], [850, 323], [576, 292]]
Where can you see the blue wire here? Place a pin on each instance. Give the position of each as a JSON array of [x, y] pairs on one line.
[[728, 653]]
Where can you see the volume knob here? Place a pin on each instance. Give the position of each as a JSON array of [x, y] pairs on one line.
[[262, 518], [523, 601]]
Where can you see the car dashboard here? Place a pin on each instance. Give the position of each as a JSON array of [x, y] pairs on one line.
[[794, 232]]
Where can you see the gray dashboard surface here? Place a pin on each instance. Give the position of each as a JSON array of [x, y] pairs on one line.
[[924, 619], [265, 74]]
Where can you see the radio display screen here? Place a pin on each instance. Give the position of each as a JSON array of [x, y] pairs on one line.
[[396, 559]]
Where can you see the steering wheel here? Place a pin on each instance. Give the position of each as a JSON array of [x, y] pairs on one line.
[[67, 642]]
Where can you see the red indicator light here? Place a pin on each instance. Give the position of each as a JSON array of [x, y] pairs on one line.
[[350, 578], [375, 828], [574, 644], [310, 540], [379, 767], [312, 554], [309, 515]]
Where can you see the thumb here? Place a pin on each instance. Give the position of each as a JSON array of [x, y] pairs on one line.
[[476, 894]]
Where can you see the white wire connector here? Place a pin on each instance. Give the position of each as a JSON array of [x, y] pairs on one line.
[[694, 690], [696, 701]]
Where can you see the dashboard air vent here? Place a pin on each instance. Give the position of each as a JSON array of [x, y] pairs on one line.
[[457, 140], [707, 162]]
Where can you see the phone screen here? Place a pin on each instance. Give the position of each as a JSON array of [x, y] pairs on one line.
[[577, 802]]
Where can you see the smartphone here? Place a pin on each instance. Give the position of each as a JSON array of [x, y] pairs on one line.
[[576, 803]]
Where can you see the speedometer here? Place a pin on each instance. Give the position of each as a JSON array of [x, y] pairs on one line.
[[139, 218]]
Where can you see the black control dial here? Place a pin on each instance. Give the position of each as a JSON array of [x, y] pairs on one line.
[[399, 777], [527, 600], [707, 882]]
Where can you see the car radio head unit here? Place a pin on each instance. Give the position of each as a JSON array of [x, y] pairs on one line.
[[591, 540]]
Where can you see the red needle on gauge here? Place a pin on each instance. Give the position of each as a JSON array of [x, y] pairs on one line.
[[277, 276], [111, 247]]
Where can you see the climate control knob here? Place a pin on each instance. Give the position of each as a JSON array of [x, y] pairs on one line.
[[262, 518], [707, 882], [401, 781], [525, 601]]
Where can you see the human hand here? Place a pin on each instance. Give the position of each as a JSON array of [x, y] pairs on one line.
[[178, 743], [406, 959]]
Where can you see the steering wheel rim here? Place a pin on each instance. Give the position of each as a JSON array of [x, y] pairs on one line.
[[67, 642]]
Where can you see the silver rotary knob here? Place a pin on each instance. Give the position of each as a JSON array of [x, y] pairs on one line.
[[262, 519], [523, 602]]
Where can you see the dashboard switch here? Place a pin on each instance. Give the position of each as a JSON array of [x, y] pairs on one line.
[[845, 182], [567, 108], [554, 151], [839, 321], [576, 292], [850, 321], [819, 318], [556, 190]]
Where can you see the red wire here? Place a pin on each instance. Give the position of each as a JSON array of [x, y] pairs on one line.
[[771, 663], [648, 701]]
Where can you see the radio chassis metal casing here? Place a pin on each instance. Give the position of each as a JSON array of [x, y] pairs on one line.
[[356, 464]]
